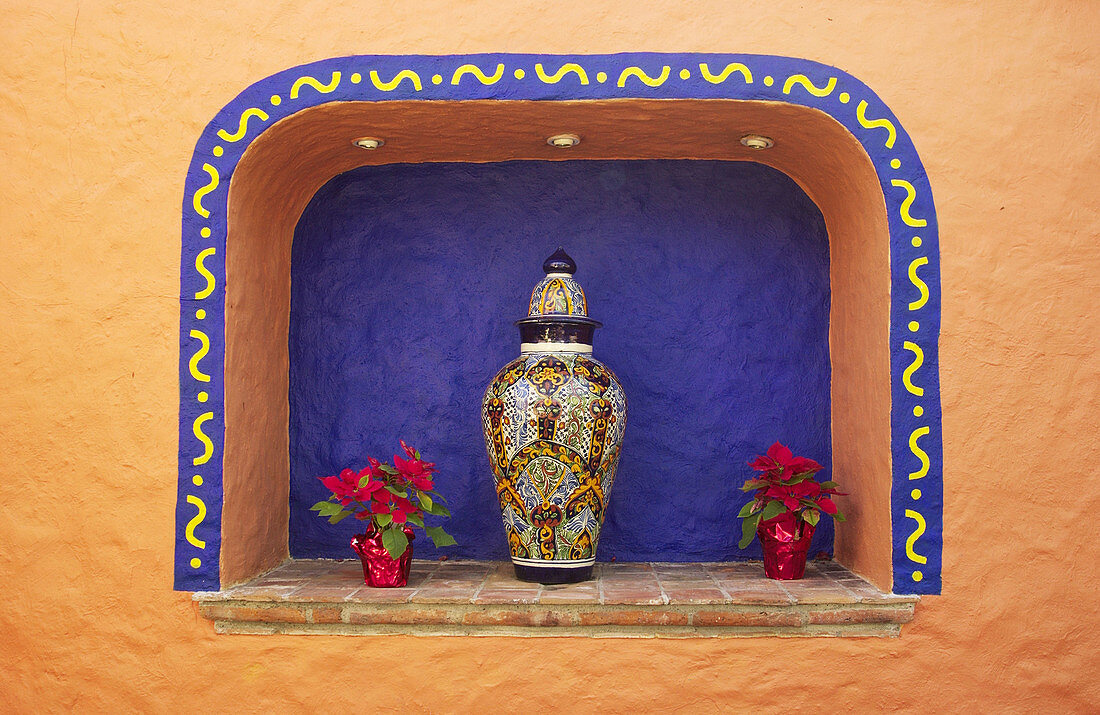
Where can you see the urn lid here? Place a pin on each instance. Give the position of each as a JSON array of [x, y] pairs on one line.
[[558, 293], [557, 314]]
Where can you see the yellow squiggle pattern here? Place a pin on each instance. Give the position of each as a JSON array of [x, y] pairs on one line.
[[910, 197], [562, 71], [726, 72], [918, 360], [207, 445], [804, 81], [196, 201], [476, 72], [202, 269], [308, 81], [861, 116], [242, 125], [195, 521], [646, 79], [920, 284], [193, 363], [917, 533], [919, 453], [397, 79]]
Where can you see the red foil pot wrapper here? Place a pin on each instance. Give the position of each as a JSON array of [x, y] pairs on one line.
[[786, 540], [380, 570]]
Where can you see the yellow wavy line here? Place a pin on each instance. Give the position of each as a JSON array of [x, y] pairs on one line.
[[920, 284], [913, 555], [919, 453], [861, 115], [201, 268], [195, 521], [201, 193], [726, 72], [242, 125], [646, 79], [207, 445], [476, 72], [562, 71], [397, 79], [917, 362], [910, 197], [803, 80], [193, 363], [308, 81]]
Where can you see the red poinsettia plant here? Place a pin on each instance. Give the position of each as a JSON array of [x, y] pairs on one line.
[[389, 497], [785, 485]]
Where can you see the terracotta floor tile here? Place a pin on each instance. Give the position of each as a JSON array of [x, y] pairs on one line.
[[465, 581], [507, 596], [586, 592], [695, 595], [636, 596], [262, 593], [369, 594], [321, 593]]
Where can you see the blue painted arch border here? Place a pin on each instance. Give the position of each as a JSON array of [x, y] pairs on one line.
[[916, 438]]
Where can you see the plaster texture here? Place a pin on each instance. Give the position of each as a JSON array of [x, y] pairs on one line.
[[711, 279], [101, 104]]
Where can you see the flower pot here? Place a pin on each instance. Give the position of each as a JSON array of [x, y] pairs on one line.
[[553, 421], [381, 570], [786, 540]]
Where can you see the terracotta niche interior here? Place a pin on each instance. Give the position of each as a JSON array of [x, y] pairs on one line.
[[287, 164]]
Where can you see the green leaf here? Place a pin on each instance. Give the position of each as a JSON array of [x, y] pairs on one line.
[[748, 529], [425, 501], [811, 516], [439, 537], [416, 455], [829, 485], [383, 520], [327, 508], [397, 492], [395, 542], [771, 510], [438, 510], [839, 517], [415, 519], [388, 469], [337, 518], [746, 510]]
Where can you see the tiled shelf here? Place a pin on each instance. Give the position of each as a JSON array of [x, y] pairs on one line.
[[679, 600]]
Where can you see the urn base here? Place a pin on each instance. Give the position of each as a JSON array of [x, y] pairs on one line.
[[549, 575]]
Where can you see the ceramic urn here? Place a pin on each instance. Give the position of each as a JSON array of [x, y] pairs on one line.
[[554, 420]]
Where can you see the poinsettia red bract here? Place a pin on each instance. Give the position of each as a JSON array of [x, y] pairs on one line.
[[389, 497], [785, 485]]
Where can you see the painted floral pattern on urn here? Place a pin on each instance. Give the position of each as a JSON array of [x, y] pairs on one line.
[[554, 421]]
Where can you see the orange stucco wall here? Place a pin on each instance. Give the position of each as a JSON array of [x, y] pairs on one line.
[[101, 106]]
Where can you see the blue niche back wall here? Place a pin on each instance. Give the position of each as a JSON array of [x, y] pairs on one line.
[[712, 281]]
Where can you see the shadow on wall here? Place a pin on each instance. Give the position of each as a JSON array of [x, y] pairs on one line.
[[712, 281]]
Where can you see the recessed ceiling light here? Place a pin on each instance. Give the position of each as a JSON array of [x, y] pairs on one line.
[[368, 143], [563, 141], [757, 141]]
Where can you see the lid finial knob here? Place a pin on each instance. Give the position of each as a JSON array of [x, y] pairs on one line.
[[560, 262]]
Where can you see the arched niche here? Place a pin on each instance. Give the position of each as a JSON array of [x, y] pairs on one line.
[[234, 436]]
